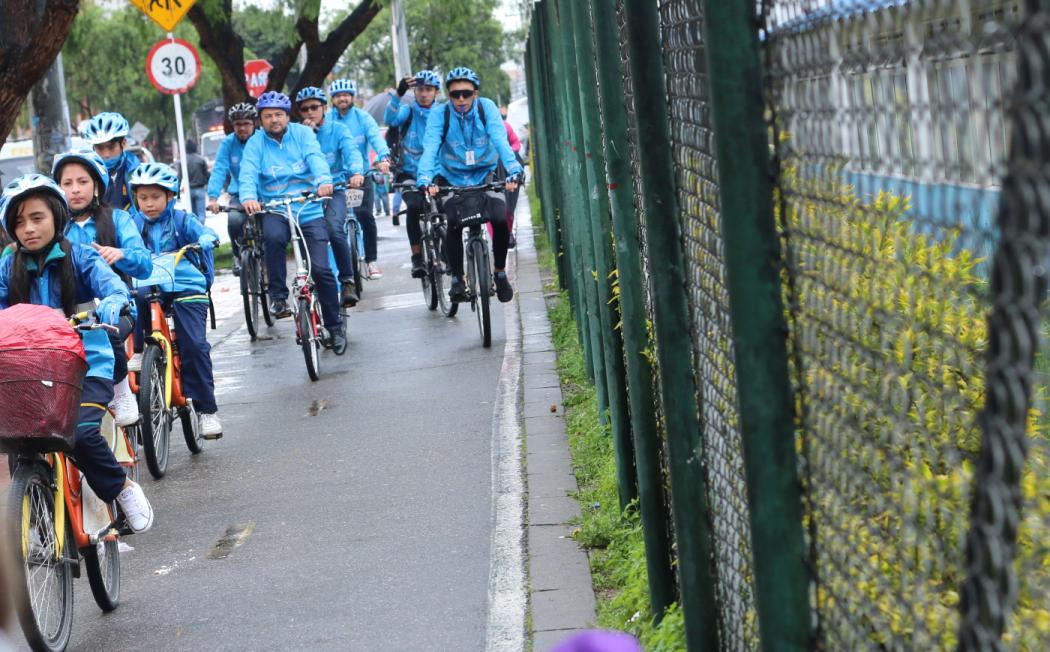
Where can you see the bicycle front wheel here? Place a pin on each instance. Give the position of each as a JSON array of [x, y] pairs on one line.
[[262, 285], [156, 421], [191, 427], [44, 586], [353, 232], [309, 339], [439, 271], [430, 290], [250, 292], [102, 563], [479, 261]]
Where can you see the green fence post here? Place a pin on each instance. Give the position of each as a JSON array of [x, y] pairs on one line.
[[539, 128], [752, 255], [630, 276], [678, 397], [601, 243]]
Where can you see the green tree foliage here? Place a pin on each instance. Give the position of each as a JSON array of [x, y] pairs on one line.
[[266, 32], [105, 64], [442, 34]]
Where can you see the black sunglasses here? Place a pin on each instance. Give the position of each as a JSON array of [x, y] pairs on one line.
[[460, 95], [311, 107]]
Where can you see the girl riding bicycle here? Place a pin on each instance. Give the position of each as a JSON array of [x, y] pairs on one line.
[[47, 269], [166, 229], [113, 234]]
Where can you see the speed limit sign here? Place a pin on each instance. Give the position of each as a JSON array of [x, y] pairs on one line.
[[173, 66]]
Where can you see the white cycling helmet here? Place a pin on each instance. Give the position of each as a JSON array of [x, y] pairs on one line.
[[105, 127]]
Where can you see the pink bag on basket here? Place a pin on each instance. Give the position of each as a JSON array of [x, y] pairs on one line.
[[42, 367]]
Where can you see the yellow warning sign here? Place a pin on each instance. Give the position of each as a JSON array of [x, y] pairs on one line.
[[166, 13]]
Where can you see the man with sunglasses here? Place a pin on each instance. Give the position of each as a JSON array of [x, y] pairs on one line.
[[465, 142], [344, 160], [365, 134]]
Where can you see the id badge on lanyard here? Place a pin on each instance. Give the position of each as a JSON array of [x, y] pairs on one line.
[[470, 157]]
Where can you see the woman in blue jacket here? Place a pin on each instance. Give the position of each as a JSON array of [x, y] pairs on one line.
[[165, 229], [112, 233], [47, 269]]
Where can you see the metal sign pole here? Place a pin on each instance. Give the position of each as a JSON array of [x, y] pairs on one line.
[[184, 193], [399, 38]]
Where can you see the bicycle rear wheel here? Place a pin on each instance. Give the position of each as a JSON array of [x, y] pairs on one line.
[[353, 231], [156, 421], [479, 261], [439, 271], [263, 285], [309, 339], [430, 289], [44, 579], [102, 563], [249, 292]]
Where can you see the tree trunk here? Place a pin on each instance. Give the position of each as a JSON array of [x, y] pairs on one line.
[[321, 56], [31, 35], [213, 20]]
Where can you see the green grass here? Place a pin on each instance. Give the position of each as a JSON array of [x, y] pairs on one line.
[[613, 539]]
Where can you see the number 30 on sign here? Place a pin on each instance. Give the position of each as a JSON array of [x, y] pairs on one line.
[[173, 66]]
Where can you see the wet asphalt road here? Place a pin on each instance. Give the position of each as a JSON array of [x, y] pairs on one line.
[[353, 513]]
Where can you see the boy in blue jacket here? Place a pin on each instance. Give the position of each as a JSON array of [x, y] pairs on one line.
[[165, 229], [108, 134], [46, 269]]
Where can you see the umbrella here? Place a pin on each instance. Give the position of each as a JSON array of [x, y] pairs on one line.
[[376, 106]]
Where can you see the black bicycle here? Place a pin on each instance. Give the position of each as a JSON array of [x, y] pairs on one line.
[[433, 230], [254, 281]]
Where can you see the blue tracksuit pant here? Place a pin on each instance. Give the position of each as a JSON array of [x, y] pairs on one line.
[[90, 450]]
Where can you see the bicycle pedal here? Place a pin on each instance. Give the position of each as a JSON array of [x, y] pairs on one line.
[[212, 437]]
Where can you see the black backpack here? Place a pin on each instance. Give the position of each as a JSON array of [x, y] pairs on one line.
[[394, 137]]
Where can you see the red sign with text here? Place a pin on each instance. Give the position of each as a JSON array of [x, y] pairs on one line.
[[256, 75]]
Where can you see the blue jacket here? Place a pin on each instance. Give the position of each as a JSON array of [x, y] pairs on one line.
[[136, 262], [466, 132], [118, 194], [94, 280], [173, 230], [227, 167], [337, 145], [364, 131], [271, 169], [412, 143]]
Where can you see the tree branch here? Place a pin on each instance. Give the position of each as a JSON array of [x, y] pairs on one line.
[[213, 21], [323, 55]]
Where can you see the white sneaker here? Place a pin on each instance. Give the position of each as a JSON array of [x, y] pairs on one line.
[[135, 363], [374, 271], [137, 510], [125, 409], [211, 427]]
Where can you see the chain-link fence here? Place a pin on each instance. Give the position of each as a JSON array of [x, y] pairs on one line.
[[839, 212]]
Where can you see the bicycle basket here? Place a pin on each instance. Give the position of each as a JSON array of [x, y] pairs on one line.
[[354, 197], [42, 367]]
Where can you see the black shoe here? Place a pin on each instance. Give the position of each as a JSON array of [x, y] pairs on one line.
[[419, 270], [512, 242], [236, 267], [280, 310], [457, 291], [337, 342], [397, 219], [503, 289], [347, 296]]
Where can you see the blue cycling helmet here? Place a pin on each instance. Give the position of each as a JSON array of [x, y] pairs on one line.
[[106, 126], [428, 78], [463, 74], [154, 174], [311, 93], [342, 86], [274, 100], [89, 159], [30, 184]]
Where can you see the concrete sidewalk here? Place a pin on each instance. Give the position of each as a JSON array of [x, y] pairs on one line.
[[561, 596]]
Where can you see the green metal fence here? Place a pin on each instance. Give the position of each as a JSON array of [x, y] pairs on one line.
[[806, 243]]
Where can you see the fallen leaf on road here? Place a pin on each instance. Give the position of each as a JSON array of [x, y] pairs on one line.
[[554, 408]]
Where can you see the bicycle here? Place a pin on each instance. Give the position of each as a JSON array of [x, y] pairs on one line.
[[59, 522], [478, 269], [306, 309], [433, 231], [355, 235], [159, 382], [254, 281]]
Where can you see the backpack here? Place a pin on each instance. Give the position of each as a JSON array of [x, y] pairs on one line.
[[394, 136]]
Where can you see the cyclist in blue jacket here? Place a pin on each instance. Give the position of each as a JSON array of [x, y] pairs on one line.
[[464, 143], [108, 134], [345, 163], [46, 269], [165, 229], [224, 174], [411, 119], [365, 132], [112, 233], [285, 159]]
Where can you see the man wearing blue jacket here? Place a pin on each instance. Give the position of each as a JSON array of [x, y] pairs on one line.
[[464, 143], [411, 120], [224, 174], [285, 159], [108, 133], [365, 132], [344, 160]]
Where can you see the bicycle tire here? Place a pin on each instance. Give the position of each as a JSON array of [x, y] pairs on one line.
[[191, 428], [31, 503], [483, 279], [156, 417], [309, 339], [356, 260], [249, 296], [441, 274], [263, 285], [430, 292], [103, 572]]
